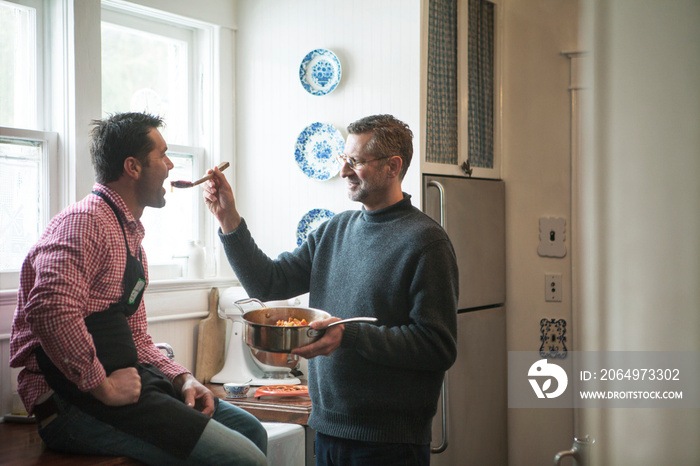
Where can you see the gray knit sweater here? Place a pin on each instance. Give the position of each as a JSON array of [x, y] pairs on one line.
[[396, 264]]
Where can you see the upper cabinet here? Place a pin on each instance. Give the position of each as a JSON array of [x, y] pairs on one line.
[[461, 88]]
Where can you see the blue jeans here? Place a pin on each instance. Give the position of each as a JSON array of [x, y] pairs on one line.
[[334, 451], [232, 437]]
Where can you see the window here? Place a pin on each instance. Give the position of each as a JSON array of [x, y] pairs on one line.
[[27, 154], [19, 36], [153, 62], [146, 67], [169, 230], [24, 206]]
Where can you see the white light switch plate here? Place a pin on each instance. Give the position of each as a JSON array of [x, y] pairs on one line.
[[552, 236]]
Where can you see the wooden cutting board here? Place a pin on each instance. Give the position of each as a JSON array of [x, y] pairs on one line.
[[211, 342]]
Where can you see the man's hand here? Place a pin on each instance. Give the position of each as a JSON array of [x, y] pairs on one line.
[[218, 196], [324, 346], [121, 388], [195, 394]]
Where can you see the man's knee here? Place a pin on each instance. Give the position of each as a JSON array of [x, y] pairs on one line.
[[220, 445]]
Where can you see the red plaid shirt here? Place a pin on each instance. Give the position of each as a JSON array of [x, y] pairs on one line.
[[75, 269]]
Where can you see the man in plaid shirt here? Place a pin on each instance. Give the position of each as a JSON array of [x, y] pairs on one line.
[[91, 374]]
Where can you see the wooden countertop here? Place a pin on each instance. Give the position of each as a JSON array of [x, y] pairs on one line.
[[289, 409], [20, 444]]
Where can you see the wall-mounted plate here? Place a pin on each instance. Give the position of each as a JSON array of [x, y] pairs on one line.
[[310, 221], [320, 72], [316, 150]]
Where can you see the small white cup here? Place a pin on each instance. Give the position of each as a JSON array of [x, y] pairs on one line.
[[236, 390]]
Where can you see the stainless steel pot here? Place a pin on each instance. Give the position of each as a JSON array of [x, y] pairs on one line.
[[287, 360], [260, 331]]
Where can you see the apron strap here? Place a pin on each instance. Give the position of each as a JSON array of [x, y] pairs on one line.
[[119, 219]]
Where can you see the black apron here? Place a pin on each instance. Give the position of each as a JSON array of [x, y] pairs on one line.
[[159, 407]]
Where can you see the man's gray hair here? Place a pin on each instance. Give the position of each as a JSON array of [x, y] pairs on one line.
[[390, 137]]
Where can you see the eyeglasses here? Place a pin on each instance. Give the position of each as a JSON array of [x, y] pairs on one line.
[[355, 164]]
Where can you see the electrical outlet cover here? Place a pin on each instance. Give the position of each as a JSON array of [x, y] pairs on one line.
[[552, 287], [553, 338], [552, 237]]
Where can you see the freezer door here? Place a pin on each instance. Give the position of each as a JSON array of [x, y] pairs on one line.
[[477, 405], [474, 218]]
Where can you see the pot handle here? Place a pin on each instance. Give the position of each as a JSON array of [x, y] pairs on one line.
[[246, 301], [313, 332]]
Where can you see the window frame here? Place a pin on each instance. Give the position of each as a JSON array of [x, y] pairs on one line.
[[172, 270], [40, 60], [50, 199], [202, 88], [155, 26], [49, 178], [202, 56]]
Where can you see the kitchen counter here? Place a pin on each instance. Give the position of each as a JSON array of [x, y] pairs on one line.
[[289, 409]]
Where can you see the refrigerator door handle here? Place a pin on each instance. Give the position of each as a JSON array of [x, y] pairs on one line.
[[441, 190], [443, 446]]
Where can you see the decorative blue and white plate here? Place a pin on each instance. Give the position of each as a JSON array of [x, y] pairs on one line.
[[310, 221], [320, 72], [316, 150]]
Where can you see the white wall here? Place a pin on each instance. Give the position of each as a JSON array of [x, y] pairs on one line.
[[640, 175], [378, 45]]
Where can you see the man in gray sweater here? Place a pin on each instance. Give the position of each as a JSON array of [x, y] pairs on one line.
[[374, 389]]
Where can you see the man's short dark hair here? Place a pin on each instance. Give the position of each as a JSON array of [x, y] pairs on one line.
[[117, 137], [390, 137]]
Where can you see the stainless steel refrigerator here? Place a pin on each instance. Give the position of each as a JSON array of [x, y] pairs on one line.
[[472, 211]]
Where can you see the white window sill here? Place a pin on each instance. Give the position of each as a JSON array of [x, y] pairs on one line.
[[165, 299], [183, 284]]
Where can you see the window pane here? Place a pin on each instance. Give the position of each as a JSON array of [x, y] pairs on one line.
[[169, 229], [20, 200], [146, 72], [18, 64]]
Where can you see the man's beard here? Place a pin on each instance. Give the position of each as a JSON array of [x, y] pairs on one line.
[[358, 192]]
